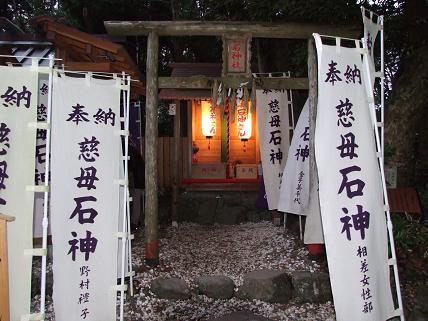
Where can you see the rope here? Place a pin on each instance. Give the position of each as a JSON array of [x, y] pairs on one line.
[[228, 132]]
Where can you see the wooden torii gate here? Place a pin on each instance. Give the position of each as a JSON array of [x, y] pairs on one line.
[[154, 29]]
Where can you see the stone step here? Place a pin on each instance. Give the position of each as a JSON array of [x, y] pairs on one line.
[[240, 316], [311, 287], [216, 286], [266, 285], [170, 288]]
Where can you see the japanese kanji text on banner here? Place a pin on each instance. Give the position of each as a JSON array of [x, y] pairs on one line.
[[294, 192], [350, 188], [18, 109], [85, 196], [42, 108], [274, 139]]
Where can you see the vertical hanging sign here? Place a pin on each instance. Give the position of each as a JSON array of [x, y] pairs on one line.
[[294, 193], [40, 175], [18, 115], [350, 188], [236, 55], [85, 196], [209, 123], [274, 138], [243, 121]]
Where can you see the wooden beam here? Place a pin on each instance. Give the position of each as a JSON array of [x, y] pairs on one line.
[[314, 216], [215, 187], [313, 102], [6, 218], [89, 66], [4, 273], [151, 138], [49, 24], [219, 28], [203, 82], [61, 35]]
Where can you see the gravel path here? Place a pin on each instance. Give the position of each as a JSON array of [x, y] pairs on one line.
[[195, 250]]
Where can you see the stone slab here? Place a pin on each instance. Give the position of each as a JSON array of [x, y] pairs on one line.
[[170, 288]]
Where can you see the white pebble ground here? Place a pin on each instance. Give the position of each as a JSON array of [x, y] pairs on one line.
[[194, 250]]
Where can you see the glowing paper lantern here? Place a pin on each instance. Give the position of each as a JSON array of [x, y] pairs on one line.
[[209, 125], [243, 122]]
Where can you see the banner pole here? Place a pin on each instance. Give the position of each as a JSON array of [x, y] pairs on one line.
[[45, 221], [124, 223], [129, 238], [382, 86], [291, 131], [50, 57], [393, 259]]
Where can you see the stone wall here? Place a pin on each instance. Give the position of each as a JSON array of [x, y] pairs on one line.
[[218, 207]]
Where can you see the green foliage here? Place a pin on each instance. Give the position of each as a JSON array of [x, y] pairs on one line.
[[410, 234], [389, 150], [411, 239], [21, 12], [277, 10], [274, 55]]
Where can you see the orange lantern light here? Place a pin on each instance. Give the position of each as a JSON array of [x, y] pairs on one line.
[[243, 121], [209, 122]]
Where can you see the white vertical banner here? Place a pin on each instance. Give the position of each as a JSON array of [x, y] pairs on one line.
[[373, 25], [371, 31], [350, 188], [313, 226], [18, 115], [294, 192], [274, 139], [85, 196], [42, 109]]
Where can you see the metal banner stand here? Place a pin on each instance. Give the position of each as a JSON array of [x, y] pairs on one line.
[[380, 139], [126, 103], [124, 235], [45, 221], [45, 188], [393, 259], [125, 220]]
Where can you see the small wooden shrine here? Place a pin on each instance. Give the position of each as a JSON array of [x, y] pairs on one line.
[[236, 70], [223, 145]]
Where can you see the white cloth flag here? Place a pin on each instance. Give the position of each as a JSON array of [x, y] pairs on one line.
[[371, 30], [85, 196], [313, 225], [294, 192], [274, 139], [42, 109], [18, 108], [350, 188]]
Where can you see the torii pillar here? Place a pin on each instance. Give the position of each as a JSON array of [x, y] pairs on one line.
[[153, 29], [151, 247]]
